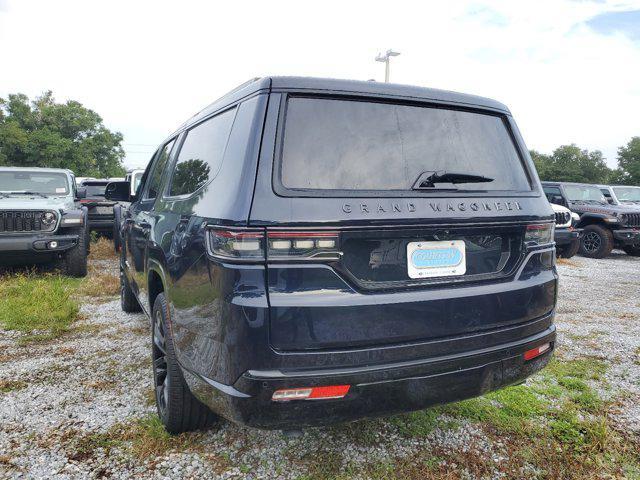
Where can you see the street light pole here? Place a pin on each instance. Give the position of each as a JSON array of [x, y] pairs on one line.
[[385, 58]]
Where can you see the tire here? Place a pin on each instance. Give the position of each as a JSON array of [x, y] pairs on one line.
[[597, 241], [117, 240], [128, 301], [178, 409], [87, 231], [568, 251], [75, 260], [633, 250]]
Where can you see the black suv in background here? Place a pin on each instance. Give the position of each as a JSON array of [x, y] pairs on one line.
[[101, 217], [605, 226], [313, 251]]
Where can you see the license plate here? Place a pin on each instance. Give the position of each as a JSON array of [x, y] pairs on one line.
[[104, 210], [436, 259]]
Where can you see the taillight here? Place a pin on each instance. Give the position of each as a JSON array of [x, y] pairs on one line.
[[539, 234], [250, 244], [311, 393], [317, 245], [243, 244]]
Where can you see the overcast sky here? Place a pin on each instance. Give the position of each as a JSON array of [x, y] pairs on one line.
[[568, 70]]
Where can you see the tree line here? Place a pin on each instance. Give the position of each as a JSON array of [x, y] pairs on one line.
[[44, 133], [569, 163]]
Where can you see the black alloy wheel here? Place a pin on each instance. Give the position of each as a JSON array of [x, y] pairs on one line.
[[592, 242], [179, 410], [597, 241], [159, 352]]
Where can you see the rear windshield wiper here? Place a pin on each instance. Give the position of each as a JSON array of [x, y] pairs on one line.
[[428, 180]]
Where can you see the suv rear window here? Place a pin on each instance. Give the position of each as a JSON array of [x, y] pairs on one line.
[[351, 145], [95, 189]]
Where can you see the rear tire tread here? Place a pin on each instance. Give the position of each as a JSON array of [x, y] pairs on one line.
[[570, 250], [74, 262], [128, 300], [184, 412]]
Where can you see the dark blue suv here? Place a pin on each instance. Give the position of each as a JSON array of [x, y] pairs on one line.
[[313, 251]]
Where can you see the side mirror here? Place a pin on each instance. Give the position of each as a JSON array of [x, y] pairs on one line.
[[118, 191], [81, 192], [558, 200]]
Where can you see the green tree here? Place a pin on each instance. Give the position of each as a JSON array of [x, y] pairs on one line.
[[543, 164], [190, 175], [629, 163], [568, 163], [43, 133]]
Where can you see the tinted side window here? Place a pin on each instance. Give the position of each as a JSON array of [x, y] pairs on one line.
[[157, 170], [201, 154]]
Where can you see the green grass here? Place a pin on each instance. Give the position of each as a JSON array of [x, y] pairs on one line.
[[421, 423], [147, 438], [86, 446], [557, 423], [561, 394], [7, 386], [43, 303]]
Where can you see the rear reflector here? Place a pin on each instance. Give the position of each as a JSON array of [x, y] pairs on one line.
[[536, 352], [314, 393]]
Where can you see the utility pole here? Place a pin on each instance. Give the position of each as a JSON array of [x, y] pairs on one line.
[[385, 58]]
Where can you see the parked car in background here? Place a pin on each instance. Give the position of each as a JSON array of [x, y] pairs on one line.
[[566, 236], [41, 220], [101, 217], [605, 226], [79, 180], [621, 194], [133, 177], [355, 249]]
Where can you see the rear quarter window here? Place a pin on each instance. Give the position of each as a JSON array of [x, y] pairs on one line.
[[348, 145], [201, 154]]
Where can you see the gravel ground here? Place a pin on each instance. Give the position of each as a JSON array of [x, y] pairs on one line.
[[599, 315], [97, 378]]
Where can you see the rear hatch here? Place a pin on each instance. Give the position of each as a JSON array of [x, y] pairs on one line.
[[96, 203], [379, 213]]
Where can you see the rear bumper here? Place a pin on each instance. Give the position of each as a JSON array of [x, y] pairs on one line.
[[36, 244], [627, 236], [441, 344], [565, 236], [102, 222], [375, 390]]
